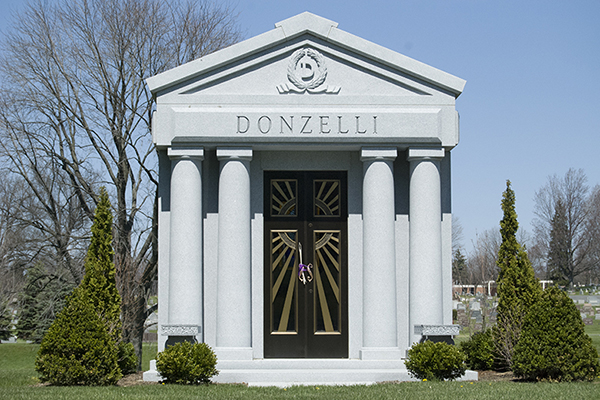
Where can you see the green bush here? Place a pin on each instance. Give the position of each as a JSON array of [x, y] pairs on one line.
[[127, 359], [553, 344], [435, 361], [187, 363], [479, 350], [77, 349]]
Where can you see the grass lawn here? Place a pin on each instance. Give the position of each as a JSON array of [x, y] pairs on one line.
[[18, 377], [594, 332], [416, 390]]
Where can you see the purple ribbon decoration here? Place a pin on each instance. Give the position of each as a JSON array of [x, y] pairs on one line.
[[302, 273]]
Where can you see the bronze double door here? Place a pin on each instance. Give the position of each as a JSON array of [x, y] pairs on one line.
[[306, 299]]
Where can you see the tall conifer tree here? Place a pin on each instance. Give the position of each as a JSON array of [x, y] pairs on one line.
[[518, 289], [99, 279], [560, 255], [83, 345]]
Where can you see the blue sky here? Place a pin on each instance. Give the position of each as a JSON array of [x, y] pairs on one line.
[[531, 105]]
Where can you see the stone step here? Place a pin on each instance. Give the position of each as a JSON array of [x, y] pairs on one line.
[[315, 377], [308, 372], [311, 377]]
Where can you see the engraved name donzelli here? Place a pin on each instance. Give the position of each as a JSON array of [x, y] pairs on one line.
[[307, 73], [307, 124]]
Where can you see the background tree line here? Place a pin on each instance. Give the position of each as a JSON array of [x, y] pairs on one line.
[[75, 114], [565, 243]]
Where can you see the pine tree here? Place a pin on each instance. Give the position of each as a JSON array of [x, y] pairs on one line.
[[459, 267], [559, 254], [88, 330], [100, 284], [99, 279], [40, 302], [518, 288]]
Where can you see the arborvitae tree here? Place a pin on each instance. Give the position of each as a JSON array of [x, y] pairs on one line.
[[560, 254], [99, 279], [553, 344], [77, 349], [100, 284], [40, 302], [70, 349], [518, 289]]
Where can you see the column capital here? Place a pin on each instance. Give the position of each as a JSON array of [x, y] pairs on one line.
[[425, 153], [378, 153], [240, 153], [179, 151]]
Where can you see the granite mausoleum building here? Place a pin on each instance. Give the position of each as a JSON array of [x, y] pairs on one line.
[[304, 205]]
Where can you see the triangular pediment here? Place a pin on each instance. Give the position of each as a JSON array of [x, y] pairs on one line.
[[306, 81], [303, 57]]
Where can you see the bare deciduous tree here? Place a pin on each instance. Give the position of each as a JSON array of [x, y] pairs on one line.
[[482, 259], [12, 254], [75, 72], [572, 192], [40, 229], [457, 235]]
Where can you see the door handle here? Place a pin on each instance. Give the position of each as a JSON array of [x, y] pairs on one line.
[[304, 271]]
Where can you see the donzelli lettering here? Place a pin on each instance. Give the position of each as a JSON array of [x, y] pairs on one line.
[[306, 124]]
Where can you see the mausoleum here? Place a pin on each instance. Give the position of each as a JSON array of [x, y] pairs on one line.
[[305, 206]]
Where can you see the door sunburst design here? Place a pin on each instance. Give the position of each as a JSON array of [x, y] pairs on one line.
[[284, 295], [283, 197], [327, 282], [327, 197]]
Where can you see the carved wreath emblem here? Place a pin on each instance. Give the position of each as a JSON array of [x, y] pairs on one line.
[[307, 72]]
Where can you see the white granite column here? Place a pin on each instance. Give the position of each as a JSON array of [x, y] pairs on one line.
[[185, 253], [379, 255], [234, 311], [425, 243]]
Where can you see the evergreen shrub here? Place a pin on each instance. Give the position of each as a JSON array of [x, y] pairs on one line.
[[553, 344], [77, 349], [479, 350], [127, 359], [187, 363], [83, 345], [435, 361]]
